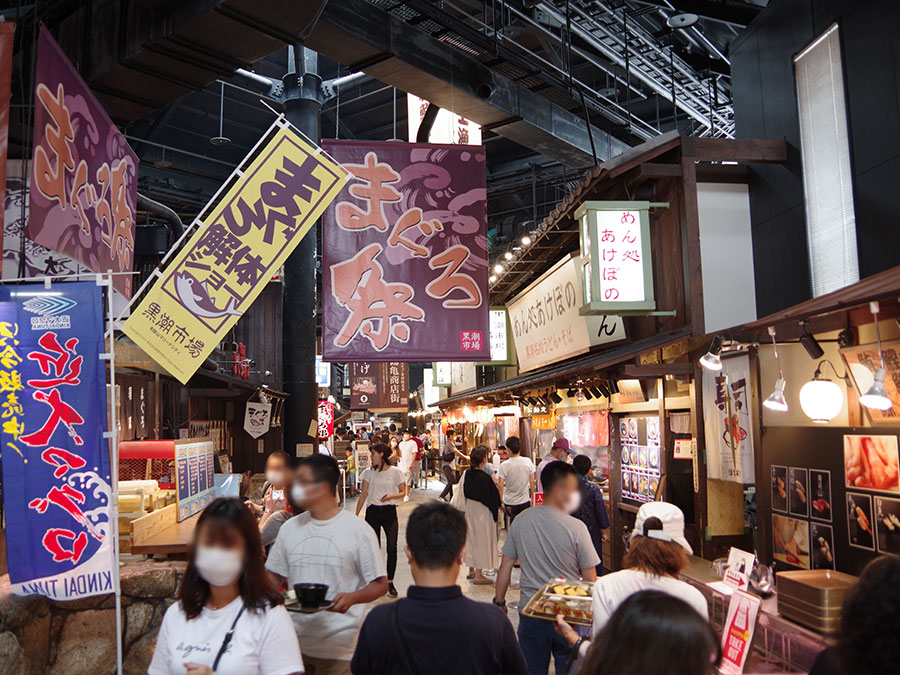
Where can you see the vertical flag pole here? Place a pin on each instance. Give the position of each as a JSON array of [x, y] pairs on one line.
[[112, 434]]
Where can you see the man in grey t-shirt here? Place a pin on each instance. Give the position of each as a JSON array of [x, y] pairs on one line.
[[549, 543]]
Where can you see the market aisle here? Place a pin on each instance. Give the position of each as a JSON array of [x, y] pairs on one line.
[[404, 576]]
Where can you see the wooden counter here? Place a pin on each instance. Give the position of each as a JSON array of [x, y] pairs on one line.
[[160, 533]]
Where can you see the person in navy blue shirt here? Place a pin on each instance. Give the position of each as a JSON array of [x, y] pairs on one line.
[[435, 629], [592, 510]]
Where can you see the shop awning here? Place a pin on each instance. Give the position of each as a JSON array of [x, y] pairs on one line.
[[881, 286], [580, 366]]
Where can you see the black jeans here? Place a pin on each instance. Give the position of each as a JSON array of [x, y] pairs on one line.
[[385, 517], [450, 475], [513, 510]]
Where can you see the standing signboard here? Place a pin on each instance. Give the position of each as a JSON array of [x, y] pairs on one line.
[[56, 462], [546, 323], [194, 480], [272, 201], [84, 174], [379, 386], [737, 637], [727, 416], [405, 255]]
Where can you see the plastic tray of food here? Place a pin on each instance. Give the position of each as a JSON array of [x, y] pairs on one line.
[[570, 599]]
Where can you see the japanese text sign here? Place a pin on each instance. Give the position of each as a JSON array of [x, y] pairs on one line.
[[276, 197], [727, 419], [257, 418], [405, 255], [84, 174], [617, 271], [56, 465], [737, 637], [326, 419], [194, 476], [546, 323], [379, 386]]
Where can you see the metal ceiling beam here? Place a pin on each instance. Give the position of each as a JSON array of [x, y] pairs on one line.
[[734, 13], [364, 37]]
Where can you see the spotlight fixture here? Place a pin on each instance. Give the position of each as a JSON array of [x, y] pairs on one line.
[[596, 392], [508, 255], [492, 278], [556, 398], [545, 399], [811, 345], [604, 390], [498, 269], [613, 387], [571, 393], [776, 400], [711, 360], [820, 398], [526, 240], [876, 397], [587, 394]]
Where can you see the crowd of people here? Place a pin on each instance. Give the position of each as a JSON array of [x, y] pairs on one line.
[[231, 618]]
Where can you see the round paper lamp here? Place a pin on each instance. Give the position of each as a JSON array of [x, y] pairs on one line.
[[821, 400]]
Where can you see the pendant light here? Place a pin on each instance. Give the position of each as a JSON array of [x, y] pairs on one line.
[[820, 398], [711, 360], [221, 139], [776, 400], [876, 397]]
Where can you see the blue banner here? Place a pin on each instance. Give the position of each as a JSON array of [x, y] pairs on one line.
[[56, 463]]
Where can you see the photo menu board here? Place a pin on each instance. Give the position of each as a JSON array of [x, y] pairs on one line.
[[194, 479], [641, 456]]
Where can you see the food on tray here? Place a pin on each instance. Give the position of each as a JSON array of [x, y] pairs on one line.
[[571, 600], [569, 589], [800, 490], [821, 505], [634, 456]]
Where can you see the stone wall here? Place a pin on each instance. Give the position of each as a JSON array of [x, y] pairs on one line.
[[39, 636]]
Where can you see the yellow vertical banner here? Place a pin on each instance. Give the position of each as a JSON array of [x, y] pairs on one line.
[[269, 204]]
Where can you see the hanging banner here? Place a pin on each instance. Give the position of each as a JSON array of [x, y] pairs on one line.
[[379, 386], [326, 419], [274, 198], [84, 174], [546, 324], [257, 418], [7, 28], [405, 255], [727, 417], [56, 466]]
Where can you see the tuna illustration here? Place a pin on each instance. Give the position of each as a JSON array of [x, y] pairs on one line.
[[195, 297]]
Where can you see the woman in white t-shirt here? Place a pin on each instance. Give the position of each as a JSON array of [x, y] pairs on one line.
[[383, 484], [229, 619], [657, 555]]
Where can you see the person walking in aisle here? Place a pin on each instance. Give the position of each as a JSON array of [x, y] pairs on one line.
[[592, 511], [381, 485], [559, 452], [327, 545], [517, 480], [229, 619], [435, 606], [449, 454], [481, 506], [548, 543], [408, 449]]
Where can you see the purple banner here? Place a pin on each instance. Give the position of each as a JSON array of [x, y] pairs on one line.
[[84, 174], [405, 255]]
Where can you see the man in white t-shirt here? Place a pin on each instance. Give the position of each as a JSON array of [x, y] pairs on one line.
[[327, 545], [408, 449], [516, 480]]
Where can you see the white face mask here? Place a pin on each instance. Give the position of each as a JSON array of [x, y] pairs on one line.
[[393, 442], [302, 494], [218, 566], [275, 477], [573, 502]]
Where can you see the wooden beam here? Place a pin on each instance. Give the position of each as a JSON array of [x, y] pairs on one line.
[[214, 392], [659, 369], [746, 150], [723, 173], [658, 170]]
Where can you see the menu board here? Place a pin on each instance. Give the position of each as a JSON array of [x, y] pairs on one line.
[[641, 457], [194, 476]]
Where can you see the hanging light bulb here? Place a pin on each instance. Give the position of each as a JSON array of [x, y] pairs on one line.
[[498, 269], [526, 240], [820, 398], [711, 360], [876, 396], [492, 278], [508, 255], [776, 400]]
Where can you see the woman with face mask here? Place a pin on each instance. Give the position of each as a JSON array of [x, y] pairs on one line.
[[278, 480], [482, 503], [229, 619], [383, 484]]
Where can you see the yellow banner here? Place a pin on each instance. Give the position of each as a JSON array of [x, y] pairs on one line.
[[278, 193]]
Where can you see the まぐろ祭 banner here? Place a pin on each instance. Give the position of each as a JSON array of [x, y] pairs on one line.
[[83, 191], [405, 255], [56, 463], [276, 197]]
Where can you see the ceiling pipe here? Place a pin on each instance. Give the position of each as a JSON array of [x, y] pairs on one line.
[[174, 222]]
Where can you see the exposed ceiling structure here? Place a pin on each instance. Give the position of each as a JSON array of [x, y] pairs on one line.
[[557, 84]]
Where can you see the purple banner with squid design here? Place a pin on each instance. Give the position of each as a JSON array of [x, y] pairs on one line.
[[83, 191], [405, 266]]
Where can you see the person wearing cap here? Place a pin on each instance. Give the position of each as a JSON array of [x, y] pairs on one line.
[[656, 556], [559, 452]]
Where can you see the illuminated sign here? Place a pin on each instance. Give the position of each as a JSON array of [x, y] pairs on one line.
[[442, 374], [323, 373]]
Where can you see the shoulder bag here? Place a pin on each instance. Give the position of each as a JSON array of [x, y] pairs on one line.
[[399, 642], [227, 640]]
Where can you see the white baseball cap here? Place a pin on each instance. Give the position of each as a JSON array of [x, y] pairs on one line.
[[672, 521]]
